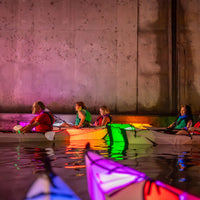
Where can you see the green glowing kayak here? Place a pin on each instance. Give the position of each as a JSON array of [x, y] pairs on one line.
[[128, 134]]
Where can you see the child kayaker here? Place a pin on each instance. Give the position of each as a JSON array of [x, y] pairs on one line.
[[104, 117], [184, 120], [191, 130]]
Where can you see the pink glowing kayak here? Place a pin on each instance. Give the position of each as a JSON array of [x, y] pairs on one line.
[[108, 179]]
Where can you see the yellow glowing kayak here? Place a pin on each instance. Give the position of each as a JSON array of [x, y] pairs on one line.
[[90, 133]]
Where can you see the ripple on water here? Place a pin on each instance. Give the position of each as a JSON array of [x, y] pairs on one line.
[[178, 165]]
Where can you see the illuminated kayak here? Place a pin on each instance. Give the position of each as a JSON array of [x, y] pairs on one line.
[[50, 187], [125, 133], [57, 135], [165, 138], [86, 133], [128, 134], [31, 137], [108, 179]]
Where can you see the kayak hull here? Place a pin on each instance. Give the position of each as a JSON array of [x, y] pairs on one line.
[[92, 133], [139, 136], [31, 137], [164, 138], [108, 179], [65, 135]]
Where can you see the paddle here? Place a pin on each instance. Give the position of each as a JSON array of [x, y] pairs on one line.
[[156, 128], [49, 185], [62, 120], [163, 129], [17, 128], [50, 135]]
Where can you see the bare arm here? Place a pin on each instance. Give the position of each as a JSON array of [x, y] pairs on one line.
[[171, 125], [194, 129], [27, 128], [82, 117], [65, 125], [105, 121], [189, 124]]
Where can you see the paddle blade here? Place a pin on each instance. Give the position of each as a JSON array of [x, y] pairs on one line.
[[17, 127], [50, 135]]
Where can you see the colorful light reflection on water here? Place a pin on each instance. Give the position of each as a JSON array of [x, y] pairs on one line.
[[20, 164]]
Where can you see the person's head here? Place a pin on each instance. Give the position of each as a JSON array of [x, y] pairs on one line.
[[104, 110], [80, 105], [38, 107], [185, 110]]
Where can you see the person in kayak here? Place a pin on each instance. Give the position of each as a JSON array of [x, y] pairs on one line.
[[104, 117], [43, 121], [191, 130], [83, 116], [184, 120]]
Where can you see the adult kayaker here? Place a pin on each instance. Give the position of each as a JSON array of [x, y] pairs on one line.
[[83, 116], [184, 120], [43, 121], [104, 117]]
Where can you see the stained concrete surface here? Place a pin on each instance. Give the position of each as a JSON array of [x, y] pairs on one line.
[[112, 52]]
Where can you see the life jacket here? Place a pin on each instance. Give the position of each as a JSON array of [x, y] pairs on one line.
[[87, 118], [100, 119], [107, 115], [45, 120], [51, 119], [197, 125], [181, 122]]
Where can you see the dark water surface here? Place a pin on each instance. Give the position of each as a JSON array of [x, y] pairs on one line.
[[20, 164]]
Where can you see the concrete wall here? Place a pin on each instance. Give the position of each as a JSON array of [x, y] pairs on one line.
[[153, 57], [188, 49], [113, 52], [68, 50]]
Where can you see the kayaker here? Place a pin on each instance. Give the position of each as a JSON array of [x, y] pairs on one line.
[[191, 130], [104, 117], [184, 120], [83, 116], [43, 121]]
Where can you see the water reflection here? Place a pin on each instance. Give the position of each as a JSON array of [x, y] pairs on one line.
[[123, 150], [178, 165]]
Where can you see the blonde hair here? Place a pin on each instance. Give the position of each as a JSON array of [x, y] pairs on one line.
[[105, 109]]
